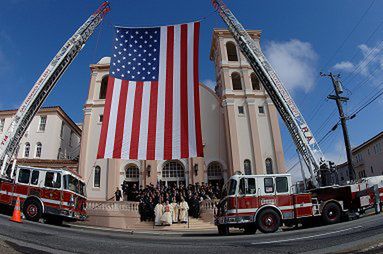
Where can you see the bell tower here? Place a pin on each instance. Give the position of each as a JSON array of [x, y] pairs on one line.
[[251, 122]]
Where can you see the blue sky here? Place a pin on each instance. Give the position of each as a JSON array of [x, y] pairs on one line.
[[300, 38]]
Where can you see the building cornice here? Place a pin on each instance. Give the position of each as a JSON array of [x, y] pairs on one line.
[[46, 110]]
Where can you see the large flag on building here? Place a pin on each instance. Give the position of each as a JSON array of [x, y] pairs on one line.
[[152, 107]]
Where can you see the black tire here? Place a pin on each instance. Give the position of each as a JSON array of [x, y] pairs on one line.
[[331, 213], [268, 221], [223, 230], [250, 229], [32, 210]]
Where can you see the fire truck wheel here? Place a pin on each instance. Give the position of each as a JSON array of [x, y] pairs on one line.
[[223, 230], [268, 221], [32, 210], [331, 213]]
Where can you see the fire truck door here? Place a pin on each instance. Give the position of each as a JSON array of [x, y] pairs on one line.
[[52, 189], [267, 191], [22, 184], [35, 184]]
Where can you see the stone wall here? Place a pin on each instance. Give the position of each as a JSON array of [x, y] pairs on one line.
[[112, 214]]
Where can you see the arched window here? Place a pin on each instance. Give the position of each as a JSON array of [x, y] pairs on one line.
[[103, 87], [247, 167], [27, 150], [269, 166], [236, 81], [214, 171], [173, 169], [231, 51], [97, 177], [255, 82], [39, 147], [132, 173]]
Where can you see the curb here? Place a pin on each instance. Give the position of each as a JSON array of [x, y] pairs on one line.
[[154, 232]]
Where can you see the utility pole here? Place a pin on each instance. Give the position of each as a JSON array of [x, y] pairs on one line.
[[343, 118]]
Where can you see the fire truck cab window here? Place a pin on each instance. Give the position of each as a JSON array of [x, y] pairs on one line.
[[71, 183], [242, 186], [232, 186], [52, 180], [82, 189], [24, 175], [269, 185], [35, 177], [281, 184], [247, 186], [251, 189]]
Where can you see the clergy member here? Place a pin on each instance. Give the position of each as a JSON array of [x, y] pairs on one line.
[[158, 211], [175, 207], [183, 211], [167, 215]]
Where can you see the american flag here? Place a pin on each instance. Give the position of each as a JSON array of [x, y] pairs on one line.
[[152, 107]]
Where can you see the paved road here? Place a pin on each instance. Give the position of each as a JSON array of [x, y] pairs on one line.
[[365, 233]]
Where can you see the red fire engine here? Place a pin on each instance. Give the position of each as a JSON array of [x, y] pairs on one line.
[[53, 194], [56, 195], [266, 202]]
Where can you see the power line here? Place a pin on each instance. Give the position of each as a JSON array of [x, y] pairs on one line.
[[374, 98], [351, 32], [368, 39]]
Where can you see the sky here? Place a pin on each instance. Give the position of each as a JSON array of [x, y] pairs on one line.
[[300, 38]]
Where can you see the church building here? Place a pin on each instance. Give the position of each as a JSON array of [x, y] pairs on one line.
[[240, 130]]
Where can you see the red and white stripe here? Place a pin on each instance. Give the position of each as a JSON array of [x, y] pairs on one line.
[[157, 120]]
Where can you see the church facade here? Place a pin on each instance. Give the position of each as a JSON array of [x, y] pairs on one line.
[[240, 130]]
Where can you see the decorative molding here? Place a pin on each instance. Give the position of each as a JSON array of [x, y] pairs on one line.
[[228, 102], [87, 111], [251, 101]]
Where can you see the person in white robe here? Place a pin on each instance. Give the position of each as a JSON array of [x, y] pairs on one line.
[[183, 211], [167, 215], [175, 207], [158, 211]]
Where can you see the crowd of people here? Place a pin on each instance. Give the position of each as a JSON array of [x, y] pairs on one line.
[[166, 205]]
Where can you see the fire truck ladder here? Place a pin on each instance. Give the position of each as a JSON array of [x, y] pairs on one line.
[[297, 126], [45, 84]]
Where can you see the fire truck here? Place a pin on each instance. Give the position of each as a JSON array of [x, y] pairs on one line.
[[53, 194], [266, 202], [56, 195]]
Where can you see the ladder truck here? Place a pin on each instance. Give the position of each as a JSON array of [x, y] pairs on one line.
[[44, 85], [55, 195], [266, 202]]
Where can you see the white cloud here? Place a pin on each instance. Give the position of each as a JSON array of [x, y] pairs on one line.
[[344, 66], [209, 83], [371, 64], [294, 61]]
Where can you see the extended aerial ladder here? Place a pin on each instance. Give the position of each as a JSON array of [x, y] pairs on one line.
[[290, 114], [44, 85]]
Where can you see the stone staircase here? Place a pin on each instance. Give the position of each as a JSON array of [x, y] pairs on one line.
[[194, 225], [124, 215]]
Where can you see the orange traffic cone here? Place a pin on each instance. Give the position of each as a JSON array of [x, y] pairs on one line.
[[16, 217]]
